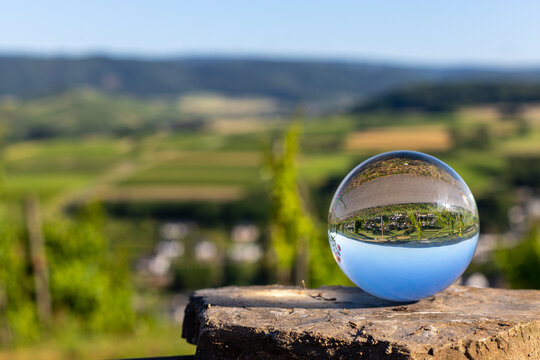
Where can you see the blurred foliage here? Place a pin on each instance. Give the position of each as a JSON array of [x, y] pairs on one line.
[[291, 226], [521, 264], [297, 239], [523, 170], [90, 288], [253, 207], [192, 275], [18, 317], [475, 137], [448, 97], [159, 340], [87, 281]]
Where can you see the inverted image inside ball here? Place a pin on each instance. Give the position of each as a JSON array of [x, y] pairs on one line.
[[403, 225]]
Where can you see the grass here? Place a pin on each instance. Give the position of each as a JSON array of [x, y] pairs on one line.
[[51, 167], [44, 185], [165, 193], [210, 158], [479, 168], [90, 146], [526, 144], [70, 163], [338, 124], [316, 167], [182, 141], [162, 340], [195, 174]]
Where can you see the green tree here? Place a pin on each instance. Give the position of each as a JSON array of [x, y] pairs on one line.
[[18, 317], [521, 264], [416, 223], [298, 241], [290, 226], [359, 225], [87, 281]]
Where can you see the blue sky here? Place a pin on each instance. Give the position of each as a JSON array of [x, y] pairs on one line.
[[438, 32]]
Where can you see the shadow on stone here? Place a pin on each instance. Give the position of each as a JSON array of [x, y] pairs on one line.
[[293, 297]]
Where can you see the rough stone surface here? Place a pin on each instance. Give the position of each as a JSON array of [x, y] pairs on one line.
[[276, 322]]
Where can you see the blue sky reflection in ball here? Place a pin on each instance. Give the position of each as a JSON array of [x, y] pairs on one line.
[[403, 225]]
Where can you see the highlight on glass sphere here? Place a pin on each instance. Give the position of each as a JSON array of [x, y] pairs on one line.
[[403, 225]]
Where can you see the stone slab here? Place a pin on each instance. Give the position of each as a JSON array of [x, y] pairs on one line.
[[277, 322]]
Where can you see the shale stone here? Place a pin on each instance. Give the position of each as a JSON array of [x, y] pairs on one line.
[[277, 322]]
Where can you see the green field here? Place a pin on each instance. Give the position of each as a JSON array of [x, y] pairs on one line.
[[57, 167], [219, 172]]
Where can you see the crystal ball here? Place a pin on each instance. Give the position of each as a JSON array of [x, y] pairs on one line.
[[403, 225]]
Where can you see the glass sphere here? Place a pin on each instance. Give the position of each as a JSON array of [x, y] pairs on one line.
[[403, 225]]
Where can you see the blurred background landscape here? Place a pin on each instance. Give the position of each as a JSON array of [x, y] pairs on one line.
[[133, 174]]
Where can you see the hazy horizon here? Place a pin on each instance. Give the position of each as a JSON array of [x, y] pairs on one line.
[[264, 57], [419, 32]]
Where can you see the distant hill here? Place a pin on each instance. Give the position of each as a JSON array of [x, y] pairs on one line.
[[289, 80], [82, 112], [449, 96]]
